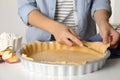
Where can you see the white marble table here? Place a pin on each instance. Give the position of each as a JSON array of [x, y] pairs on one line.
[[111, 71]]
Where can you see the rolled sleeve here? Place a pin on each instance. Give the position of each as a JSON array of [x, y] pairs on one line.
[[101, 4], [24, 8]]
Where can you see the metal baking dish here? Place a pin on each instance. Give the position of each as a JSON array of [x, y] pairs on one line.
[[62, 69]]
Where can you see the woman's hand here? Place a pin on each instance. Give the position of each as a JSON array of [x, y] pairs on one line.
[[62, 33], [109, 35], [106, 31], [66, 35]]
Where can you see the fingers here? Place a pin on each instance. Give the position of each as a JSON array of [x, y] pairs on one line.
[[72, 40], [114, 40], [109, 39], [75, 40], [73, 37], [109, 35], [68, 42], [72, 32], [106, 38], [69, 38]]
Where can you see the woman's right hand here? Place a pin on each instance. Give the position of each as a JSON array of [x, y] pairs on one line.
[[66, 35], [62, 33]]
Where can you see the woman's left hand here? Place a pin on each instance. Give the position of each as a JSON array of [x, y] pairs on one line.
[[109, 34]]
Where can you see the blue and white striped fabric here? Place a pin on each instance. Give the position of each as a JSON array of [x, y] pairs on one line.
[[65, 12]]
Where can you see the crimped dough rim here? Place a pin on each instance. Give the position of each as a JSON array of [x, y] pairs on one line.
[[38, 47]]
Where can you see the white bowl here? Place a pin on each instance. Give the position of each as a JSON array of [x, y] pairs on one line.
[[62, 69]]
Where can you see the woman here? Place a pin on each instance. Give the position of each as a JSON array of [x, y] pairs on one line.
[[68, 21]]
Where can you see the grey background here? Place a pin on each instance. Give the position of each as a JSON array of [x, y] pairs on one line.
[[10, 21]]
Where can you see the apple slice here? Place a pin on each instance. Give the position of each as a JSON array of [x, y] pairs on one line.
[[10, 57], [1, 60], [1, 53], [6, 55]]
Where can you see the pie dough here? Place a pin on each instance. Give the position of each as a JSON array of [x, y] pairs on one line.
[[55, 53]]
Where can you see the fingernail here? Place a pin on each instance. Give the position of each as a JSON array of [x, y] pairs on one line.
[[81, 44]]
